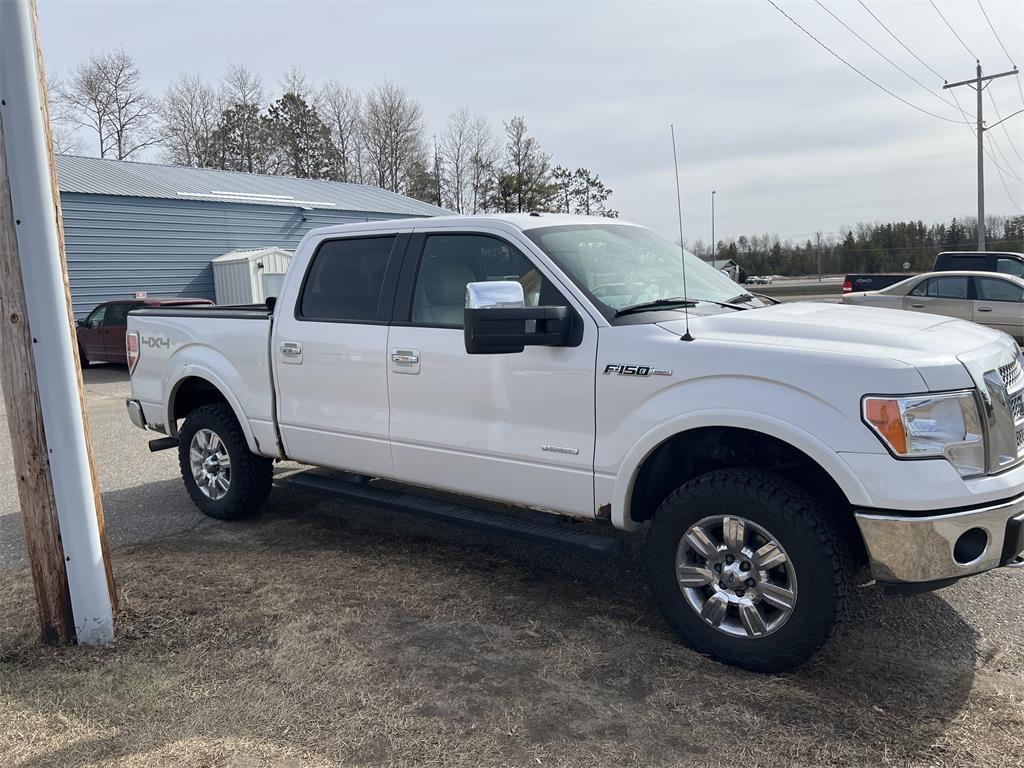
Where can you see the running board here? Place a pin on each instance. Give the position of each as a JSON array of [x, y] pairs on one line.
[[568, 535]]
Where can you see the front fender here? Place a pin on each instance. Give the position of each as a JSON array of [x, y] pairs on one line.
[[814, 448]]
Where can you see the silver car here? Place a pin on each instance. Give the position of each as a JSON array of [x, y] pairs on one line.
[[988, 298]]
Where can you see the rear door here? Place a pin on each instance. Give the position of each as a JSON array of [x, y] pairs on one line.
[[999, 304], [946, 295], [329, 351]]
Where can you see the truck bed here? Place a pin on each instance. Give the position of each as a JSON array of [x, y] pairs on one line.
[[224, 346]]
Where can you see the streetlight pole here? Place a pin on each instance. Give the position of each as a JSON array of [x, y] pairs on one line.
[[714, 245]]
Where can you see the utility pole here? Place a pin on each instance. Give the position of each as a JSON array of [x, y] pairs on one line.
[[714, 245], [42, 380], [979, 83]]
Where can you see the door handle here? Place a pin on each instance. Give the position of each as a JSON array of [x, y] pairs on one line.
[[984, 309], [405, 357], [291, 348], [917, 306]]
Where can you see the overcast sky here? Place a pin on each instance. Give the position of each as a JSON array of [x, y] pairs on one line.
[[793, 141]]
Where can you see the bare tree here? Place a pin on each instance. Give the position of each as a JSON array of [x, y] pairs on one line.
[[484, 155], [241, 134], [342, 110], [454, 162], [66, 140], [394, 137], [88, 101], [294, 80], [191, 111]]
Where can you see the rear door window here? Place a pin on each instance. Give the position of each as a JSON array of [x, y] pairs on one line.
[[345, 280], [993, 289]]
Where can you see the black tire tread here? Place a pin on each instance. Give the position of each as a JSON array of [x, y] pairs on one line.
[[790, 500], [251, 475]]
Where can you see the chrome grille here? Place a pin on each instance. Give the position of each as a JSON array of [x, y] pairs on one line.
[[1012, 375]]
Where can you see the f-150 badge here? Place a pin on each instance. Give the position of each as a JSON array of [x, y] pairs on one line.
[[636, 370]]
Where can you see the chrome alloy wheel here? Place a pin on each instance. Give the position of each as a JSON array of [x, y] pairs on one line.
[[736, 576], [211, 464]]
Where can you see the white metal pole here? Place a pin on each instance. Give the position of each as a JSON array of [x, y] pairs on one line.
[[32, 200]]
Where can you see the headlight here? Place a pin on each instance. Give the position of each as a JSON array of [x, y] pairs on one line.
[[924, 426]]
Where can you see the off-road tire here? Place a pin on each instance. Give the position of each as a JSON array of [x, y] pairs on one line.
[[251, 475], [820, 555]]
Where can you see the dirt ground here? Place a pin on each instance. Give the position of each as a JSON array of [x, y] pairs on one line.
[[321, 634]]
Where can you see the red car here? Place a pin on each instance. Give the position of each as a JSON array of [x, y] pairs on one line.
[[101, 334]]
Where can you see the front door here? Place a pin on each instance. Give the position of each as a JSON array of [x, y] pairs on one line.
[[947, 295], [329, 356], [515, 427], [90, 334], [999, 304]]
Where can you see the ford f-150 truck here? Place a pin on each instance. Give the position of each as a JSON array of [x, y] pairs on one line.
[[571, 366]]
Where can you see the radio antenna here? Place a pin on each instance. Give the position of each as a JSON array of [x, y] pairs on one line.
[[682, 251]]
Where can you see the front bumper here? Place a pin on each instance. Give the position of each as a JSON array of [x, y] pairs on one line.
[[936, 548]]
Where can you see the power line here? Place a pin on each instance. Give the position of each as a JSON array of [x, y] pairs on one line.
[[987, 151], [848, 64], [953, 30], [1002, 125], [1020, 88], [890, 61], [998, 39], [1006, 189], [999, 149], [894, 37]]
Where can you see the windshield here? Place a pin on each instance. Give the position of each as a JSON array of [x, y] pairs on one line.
[[620, 266]]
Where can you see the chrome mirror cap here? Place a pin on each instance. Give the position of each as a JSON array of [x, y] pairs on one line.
[[495, 294]]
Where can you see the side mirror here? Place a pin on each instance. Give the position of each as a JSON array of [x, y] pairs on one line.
[[497, 320], [82, 323]]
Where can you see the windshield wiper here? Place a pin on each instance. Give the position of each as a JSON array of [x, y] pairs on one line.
[[741, 299], [676, 301]]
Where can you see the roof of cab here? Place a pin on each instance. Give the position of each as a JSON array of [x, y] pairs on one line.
[[520, 221]]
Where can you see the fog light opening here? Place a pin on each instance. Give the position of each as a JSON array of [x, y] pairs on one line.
[[970, 546]]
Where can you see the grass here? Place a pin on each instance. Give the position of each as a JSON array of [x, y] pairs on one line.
[[339, 636]]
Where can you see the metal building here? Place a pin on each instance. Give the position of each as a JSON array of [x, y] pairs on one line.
[[144, 227]]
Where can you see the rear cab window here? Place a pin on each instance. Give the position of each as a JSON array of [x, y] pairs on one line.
[[345, 280]]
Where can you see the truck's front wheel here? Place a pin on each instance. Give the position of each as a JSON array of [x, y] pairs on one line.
[[747, 568], [223, 478]]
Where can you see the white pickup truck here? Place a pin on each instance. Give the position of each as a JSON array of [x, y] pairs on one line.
[[566, 365]]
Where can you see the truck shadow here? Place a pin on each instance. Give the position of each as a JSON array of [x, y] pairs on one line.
[[466, 635]]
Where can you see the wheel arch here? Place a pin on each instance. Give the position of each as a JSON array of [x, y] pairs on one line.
[[670, 456], [199, 387]]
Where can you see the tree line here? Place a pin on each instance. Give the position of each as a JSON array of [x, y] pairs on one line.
[[865, 247], [329, 131]]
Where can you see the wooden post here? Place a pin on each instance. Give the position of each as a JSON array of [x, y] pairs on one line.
[[39, 366]]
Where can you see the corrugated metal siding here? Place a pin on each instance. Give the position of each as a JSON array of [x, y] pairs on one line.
[[97, 176], [119, 245], [232, 282]]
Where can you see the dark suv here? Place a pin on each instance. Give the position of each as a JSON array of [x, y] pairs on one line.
[[101, 333], [980, 261]]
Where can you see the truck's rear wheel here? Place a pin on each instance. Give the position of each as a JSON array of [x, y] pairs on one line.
[[223, 478], [748, 569]]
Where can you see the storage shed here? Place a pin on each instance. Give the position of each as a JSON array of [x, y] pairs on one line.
[[157, 228], [249, 276]]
